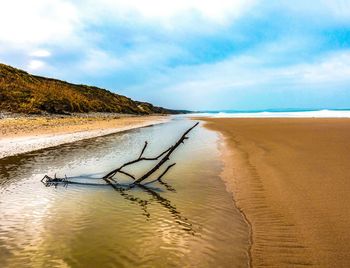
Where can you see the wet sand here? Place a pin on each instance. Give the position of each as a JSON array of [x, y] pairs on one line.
[[291, 179], [24, 134], [187, 221]]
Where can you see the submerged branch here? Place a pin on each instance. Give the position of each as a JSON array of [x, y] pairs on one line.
[[143, 149], [165, 171], [109, 177], [123, 189], [167, 156]]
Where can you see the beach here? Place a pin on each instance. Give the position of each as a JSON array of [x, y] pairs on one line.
[[186, 220], [290, 178], [20, 134]]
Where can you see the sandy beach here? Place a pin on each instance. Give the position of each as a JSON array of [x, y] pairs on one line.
[[23, 134], [291, 180]]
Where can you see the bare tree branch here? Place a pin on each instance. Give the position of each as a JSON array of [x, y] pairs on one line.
[[165, 171], [115, 171], [108, 178], [126, 173], [166, 157], [161, 175], [143, 149], [112, 181]]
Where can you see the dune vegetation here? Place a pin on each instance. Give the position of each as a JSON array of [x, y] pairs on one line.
[[22, 92]]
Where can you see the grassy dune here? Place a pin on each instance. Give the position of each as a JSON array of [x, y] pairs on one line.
[[25, 93]]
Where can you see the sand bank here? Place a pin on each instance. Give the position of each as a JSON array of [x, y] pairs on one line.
[[24, 134], [291, 179]]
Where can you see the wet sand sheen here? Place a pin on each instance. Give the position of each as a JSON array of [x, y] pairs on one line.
[[196, 226], [291, 178]]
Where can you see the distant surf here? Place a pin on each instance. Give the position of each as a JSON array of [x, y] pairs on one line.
[[276, 114]]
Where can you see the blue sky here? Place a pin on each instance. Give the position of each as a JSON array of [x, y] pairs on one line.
[[193, 54]]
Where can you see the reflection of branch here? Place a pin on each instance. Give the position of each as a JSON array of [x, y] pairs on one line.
[[142, 203], [110, 183], [122, 188], [181, 220], [167, 186]]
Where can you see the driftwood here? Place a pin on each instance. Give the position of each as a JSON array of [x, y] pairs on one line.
[[124, 189], [109, 178]]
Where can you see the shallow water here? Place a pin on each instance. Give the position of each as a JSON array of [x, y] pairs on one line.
[[194, 225]]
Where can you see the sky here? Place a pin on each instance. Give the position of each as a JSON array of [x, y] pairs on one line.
[[188, 54]]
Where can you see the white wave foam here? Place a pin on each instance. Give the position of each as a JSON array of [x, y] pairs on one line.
[[299, 114]]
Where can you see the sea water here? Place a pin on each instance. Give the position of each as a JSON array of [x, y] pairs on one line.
[[190, 221]]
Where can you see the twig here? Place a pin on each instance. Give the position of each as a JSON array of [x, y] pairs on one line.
[[108, 178], [126, 173], [166, 157], [165, 171], [143, 149], [115, 171]]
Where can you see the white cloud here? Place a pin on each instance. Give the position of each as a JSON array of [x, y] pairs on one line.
[[210, 9], [35, 65], [169, 12], [332, 68], [205, 85], [93, 38], [33, 23], [320, 11], [40, 53], [97, 62], [37, 21], [338, 8]]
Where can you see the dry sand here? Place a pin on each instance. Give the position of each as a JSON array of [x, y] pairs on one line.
[[291, 179], [24, 134]]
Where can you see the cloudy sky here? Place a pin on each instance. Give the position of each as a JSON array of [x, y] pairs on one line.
[[190, 54]]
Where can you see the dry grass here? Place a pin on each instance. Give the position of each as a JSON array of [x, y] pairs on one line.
[[25, 93]]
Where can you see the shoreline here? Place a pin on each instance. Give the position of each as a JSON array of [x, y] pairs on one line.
[[25, 134], [289, 179], [227, 175]]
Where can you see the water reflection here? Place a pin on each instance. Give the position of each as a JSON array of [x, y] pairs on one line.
[[188, 221], [125, 190], [127, 193]]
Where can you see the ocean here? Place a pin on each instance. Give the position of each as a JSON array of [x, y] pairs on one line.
[[275, 113]]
